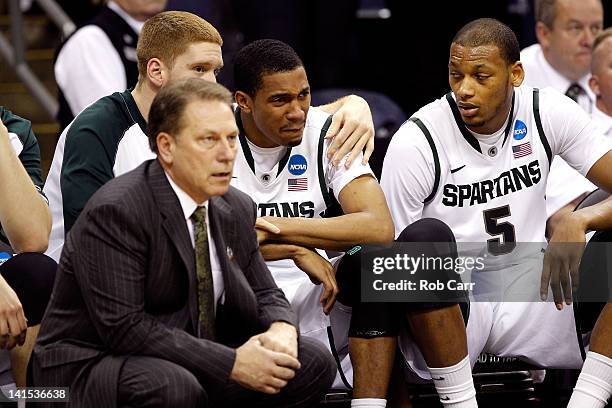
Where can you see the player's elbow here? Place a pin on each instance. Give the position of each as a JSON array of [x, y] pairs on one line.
[[36, 242], [383, 231], [388, 231]]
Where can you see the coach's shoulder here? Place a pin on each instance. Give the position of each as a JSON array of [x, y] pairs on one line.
[[240, 203]]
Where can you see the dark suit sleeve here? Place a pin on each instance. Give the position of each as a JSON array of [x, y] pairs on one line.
[[110, 268], [273, 305]]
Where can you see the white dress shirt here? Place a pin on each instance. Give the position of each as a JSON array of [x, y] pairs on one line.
[[188, 205], [564, 183], [540, 74], [88, 67]]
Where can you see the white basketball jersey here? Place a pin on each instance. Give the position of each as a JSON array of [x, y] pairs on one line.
[[296, 187], [492, 194]]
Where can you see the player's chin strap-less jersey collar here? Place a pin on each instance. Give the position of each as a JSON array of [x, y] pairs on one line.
[[246, 150], [469, 137]]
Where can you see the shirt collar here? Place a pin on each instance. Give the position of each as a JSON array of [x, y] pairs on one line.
[[558, 81], [188, 205], [132, 22], [602, 120]]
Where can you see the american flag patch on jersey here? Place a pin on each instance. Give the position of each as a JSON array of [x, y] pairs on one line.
[[297, 184], [521, 150]]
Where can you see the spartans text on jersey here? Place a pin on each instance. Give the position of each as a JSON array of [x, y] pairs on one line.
[[481, 192]]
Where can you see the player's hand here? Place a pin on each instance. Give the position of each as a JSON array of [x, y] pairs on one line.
[[262, 370], [264, 229], [351, 129], [320, 271], [562, 260], [280, 337], [13, 324]]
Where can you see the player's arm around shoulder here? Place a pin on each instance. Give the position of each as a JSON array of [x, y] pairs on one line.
[[352, 129]]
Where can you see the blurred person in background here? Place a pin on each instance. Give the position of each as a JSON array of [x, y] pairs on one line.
[[100, 57]]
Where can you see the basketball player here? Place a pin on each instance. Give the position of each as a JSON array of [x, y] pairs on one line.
[[282, 164], [478, 159]]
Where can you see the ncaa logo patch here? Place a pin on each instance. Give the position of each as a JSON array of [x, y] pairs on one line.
[[520, 130], [4, 256], [297, 165]]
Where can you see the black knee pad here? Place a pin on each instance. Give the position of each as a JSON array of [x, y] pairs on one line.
[[348, 277], [368, 320], [31, 276], [427, 230]]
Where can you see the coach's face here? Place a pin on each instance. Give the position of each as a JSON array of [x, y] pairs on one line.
[[200, 60], [567, 44], [482, 82], [200, 158], [142, 10], [280, 106]]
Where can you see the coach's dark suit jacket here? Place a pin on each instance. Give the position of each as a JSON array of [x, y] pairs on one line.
[[126, 285]]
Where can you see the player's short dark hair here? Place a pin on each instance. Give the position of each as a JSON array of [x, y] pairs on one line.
[[167, 109], [489, 31], [260, 58]]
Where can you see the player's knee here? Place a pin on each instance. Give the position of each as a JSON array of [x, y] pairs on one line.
[[376, 319], [427, 230], [348, 277], [32, 276]]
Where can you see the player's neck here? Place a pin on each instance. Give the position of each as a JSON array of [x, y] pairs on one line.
[[252, 132], [143, 96], [495, 124], [602, 107]]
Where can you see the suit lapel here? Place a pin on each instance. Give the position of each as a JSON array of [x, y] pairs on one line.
[[175, 226]]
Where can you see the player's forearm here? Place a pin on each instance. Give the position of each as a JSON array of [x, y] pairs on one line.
[[556, 218], [24, 214], [595, 218], [276, 252], [337, 233]]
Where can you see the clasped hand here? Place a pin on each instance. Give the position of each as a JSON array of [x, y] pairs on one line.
[[267, 361]]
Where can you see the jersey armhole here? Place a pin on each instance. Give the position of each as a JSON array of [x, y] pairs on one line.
[[538, 120], [327, 197], [434, 151]]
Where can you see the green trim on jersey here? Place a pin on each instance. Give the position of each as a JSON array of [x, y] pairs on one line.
[[246, 150], [434, 151], [538, 120], [92, 142], [30, 155], [321, 170]]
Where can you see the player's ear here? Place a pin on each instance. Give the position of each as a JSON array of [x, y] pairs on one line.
[[517, 74], [594, 84], [244, 101], [155, 72]]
